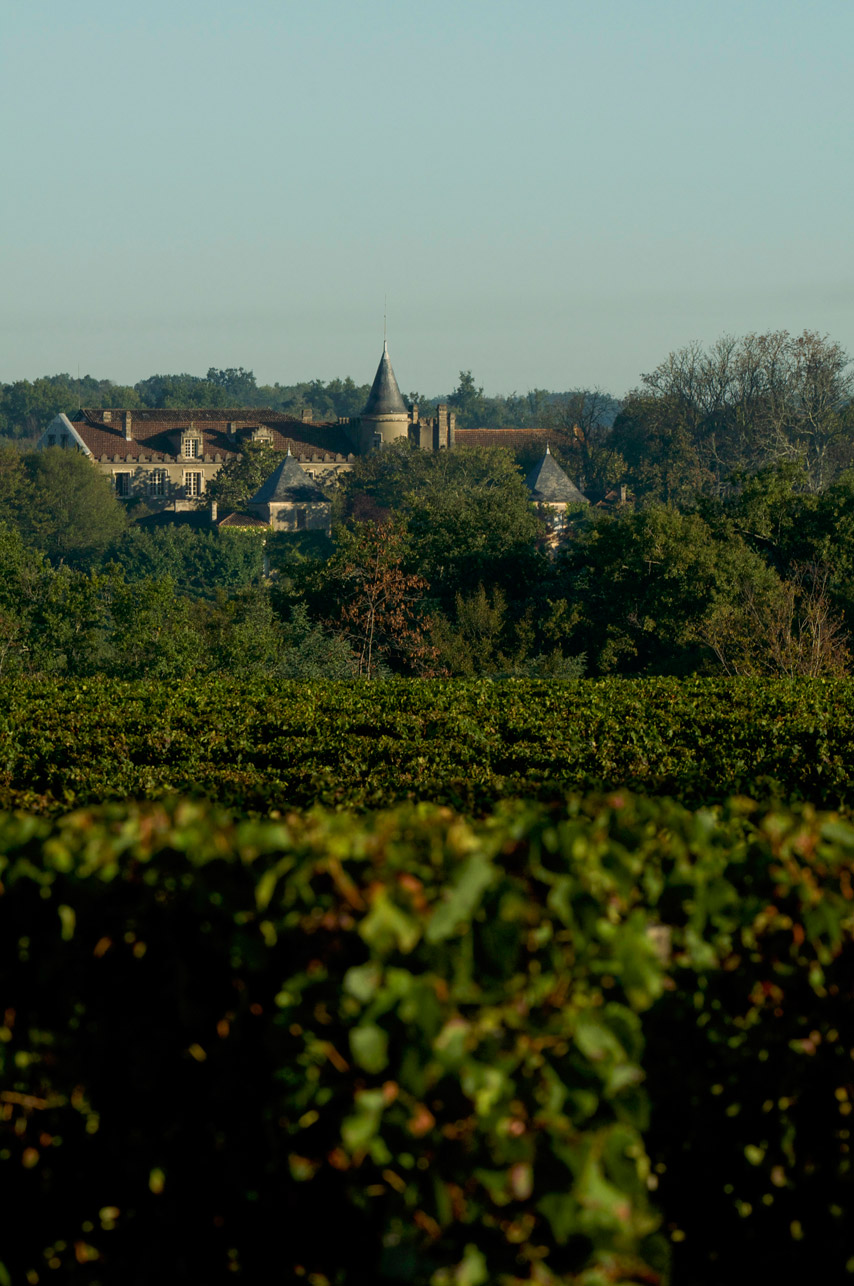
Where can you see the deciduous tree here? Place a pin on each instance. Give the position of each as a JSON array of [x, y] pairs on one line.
[[580, 428], [61, 505], [242, 475], [791, 629], [468, 512], [743, 405], [199, 563], [364, 594], [639, 589], [468, 402]]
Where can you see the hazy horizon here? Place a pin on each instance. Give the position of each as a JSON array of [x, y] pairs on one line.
[[553, 197]]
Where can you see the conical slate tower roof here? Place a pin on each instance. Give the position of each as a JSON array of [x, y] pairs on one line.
[[384, 397], [288, 484], [549, 484]]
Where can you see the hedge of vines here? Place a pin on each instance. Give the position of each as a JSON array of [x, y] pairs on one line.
[[607, 1041], [259, 745]]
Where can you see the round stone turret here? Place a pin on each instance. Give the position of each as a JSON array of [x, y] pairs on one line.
[[385, 417]]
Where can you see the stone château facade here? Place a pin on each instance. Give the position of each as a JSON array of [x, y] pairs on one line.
[[167, 457]]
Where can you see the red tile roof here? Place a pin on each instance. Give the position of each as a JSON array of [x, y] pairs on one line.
[[513, 439], [155, 432]]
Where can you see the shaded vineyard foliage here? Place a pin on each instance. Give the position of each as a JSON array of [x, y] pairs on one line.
[[260, 744], [574, 1044]]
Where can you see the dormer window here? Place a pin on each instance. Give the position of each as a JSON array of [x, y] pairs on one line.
[[191, 448]]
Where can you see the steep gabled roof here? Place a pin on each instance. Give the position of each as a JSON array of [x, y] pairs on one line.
[[549, 484], [61, 428], [289, 484], [384, 397]]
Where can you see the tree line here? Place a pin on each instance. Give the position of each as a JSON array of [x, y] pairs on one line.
[[695, 425], [26, 406]]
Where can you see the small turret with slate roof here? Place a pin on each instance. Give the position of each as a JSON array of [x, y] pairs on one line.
[[555, 493], [288, 484], [290, 500], [549, 485]]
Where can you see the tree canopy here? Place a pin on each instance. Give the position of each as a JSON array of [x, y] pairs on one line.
[[704, 416], [60, 504], [242, 475], [468, 512]]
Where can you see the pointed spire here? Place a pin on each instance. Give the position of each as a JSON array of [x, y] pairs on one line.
[[384, 397]]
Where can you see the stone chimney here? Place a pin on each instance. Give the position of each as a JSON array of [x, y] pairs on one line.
[[622, 493], [214, 512], [305, 415], [445, 424], [128, 422], [232, 430], [107, 417]]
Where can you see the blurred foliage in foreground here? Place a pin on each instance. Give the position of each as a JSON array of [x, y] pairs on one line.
[[568, 1045]]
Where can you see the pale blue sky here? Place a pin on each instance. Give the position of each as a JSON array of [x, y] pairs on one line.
[[552, 194]]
